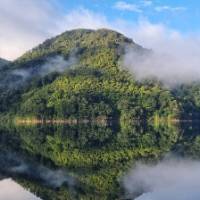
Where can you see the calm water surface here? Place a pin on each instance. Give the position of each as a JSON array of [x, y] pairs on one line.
[[85, 161]]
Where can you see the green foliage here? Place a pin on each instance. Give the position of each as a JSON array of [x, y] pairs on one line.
[[93, 94], [96, 87], [96, 156], [188, 97]]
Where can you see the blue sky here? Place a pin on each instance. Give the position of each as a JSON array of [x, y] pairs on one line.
[[178, 14], [26, 23]]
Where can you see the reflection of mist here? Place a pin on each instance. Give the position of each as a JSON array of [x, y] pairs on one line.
[[12, 191], [177, 179], [12, 165]]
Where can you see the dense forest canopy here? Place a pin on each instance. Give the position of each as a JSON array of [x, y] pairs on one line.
[[79, 75]]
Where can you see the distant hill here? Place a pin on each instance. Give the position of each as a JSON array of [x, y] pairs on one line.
[[78, 75]]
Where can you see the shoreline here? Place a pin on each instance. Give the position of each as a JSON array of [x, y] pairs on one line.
[[100, 120]]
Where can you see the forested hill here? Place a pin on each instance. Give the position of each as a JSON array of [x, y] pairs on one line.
[[78, 75]]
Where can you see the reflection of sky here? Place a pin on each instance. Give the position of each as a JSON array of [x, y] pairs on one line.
[[171, 179], [9, 190]]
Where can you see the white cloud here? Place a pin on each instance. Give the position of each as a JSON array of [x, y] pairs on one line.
[[147, 2], [122, 5], [176, 56], [82, 18], [169, 8], [23, 24]]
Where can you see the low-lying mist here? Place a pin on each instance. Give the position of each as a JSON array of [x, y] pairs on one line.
[[177, 179], [53, 64], [171, 69], [17, 77], [174, 58]]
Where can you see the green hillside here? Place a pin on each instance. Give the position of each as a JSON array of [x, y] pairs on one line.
[[78, 76], [94, 86]]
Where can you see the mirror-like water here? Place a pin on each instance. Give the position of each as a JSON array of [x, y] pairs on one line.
[[85, 161]]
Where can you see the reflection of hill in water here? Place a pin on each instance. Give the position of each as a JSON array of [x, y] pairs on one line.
[[92, 157]]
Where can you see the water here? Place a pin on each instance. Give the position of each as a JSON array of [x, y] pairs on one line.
[[85, 161]]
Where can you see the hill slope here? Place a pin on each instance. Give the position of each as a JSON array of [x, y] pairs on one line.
[[77, 75]]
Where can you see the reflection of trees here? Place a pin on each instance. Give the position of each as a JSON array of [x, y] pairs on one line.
[[96, 155], [189, 144], [162, 137], [71, 136]]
